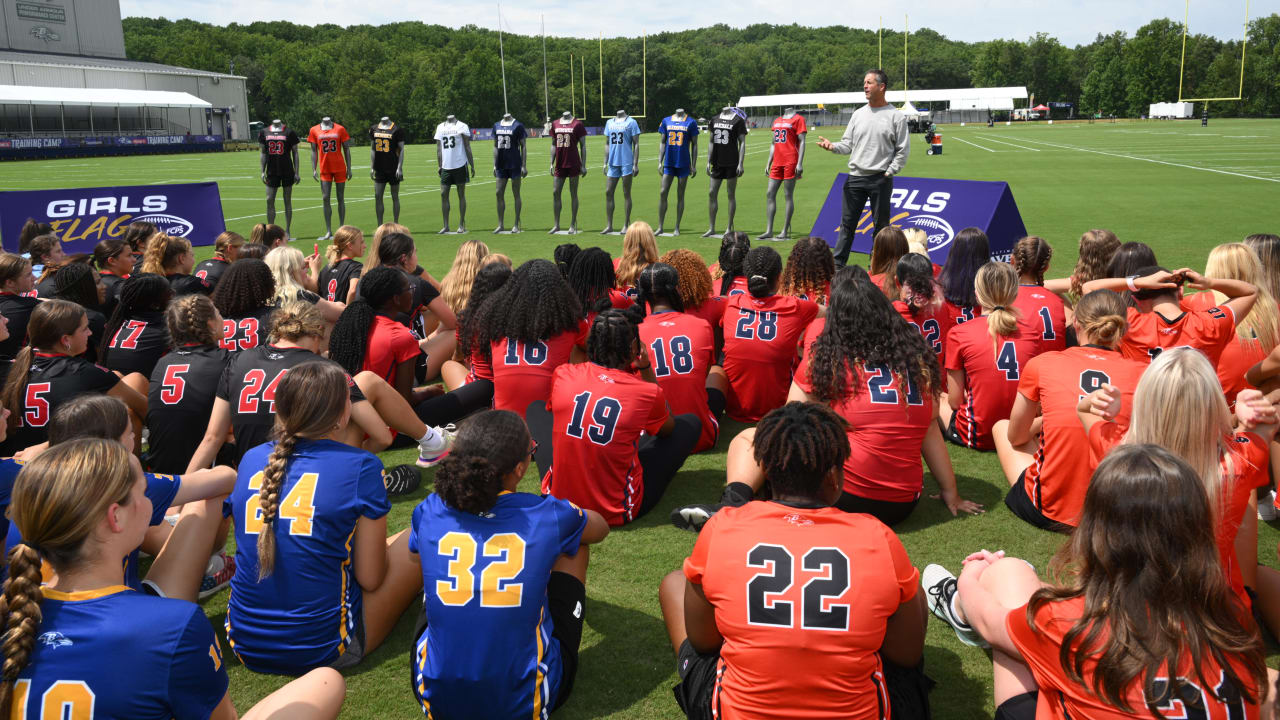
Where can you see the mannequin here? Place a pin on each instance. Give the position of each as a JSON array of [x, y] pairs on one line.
[[328, 166], [785, 166], [279, 164], [621, 162], [509, 163], [457, 167], [568, 161], [724, 163], [678, 158], [386, 164]]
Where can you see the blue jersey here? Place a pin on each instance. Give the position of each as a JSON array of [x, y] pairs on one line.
[[487, 651], [507, 139], [116, 653], [9, 469], [303, 615], [677, 134], [618, 135]]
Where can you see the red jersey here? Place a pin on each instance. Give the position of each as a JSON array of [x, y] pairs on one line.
[[991, 377], [886, 429], [806, 589], [737, 286], [521, 374], [760, 337], [786, 139], [598, 415], [933, 324], [959, 315], [330, 143], [682, 349], [1237, 356], [1062, 698], [566, 155], [1209, 331], [711, 310], [1042, 313], [1058, 477], [389, 344]]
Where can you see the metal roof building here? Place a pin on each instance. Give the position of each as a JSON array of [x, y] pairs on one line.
[[960, 99]]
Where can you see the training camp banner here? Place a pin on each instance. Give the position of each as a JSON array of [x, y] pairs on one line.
[[939, 207], [83, 217]]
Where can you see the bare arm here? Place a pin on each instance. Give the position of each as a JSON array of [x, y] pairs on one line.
[[371, 552], [214, 436], [1099, 405], [596, 530], [904, 633], [1268, 368], [205, 484], [443, 313], [1021, 419], [700, 620], [955, 386]]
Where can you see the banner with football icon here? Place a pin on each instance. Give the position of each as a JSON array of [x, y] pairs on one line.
[[83, 217], [940, 208]]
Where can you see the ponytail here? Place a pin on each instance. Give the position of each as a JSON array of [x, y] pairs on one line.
[[162, 251], [350, 335], [996, 286], [343, 239], [488, 447], [20, 613], [762, 267], [50, 321]]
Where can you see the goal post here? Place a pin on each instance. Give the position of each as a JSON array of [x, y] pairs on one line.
[[644, 76], [1182, 64]]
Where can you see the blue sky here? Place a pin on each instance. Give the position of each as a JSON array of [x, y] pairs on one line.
[[1071, 21]]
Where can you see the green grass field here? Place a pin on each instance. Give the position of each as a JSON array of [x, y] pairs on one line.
[[1176, 186]]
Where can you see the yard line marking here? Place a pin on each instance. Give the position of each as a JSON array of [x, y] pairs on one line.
[[988, 138], [1158, 162], [966, 142]]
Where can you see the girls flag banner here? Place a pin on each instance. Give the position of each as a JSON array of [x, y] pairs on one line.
[[83, 217], [940, 208]]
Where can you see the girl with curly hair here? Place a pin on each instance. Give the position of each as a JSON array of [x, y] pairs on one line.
[[639, 250], [135, 337], [337, 281], [594, 282], [1094, 254], [694, 287], [920, 301], [246, 298], [809, 270], [1041, 312], [171, 257]]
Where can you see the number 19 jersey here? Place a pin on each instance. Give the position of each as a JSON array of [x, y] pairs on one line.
[[488, 650]]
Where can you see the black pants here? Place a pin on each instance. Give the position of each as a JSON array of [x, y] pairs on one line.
[[457, 404], [857, 190], [661, 457]]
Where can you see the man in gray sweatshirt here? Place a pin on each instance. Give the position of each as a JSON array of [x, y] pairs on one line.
[[877, 143]]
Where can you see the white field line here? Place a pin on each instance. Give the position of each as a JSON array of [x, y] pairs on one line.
[[988, 138], [966, 142], [1151, 160]]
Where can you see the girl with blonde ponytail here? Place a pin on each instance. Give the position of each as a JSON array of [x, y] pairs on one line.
[[984, 361], [317, 580], [81, 507], [337, 281], [171, 257]]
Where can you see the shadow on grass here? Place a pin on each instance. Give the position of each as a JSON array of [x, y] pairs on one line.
[[957, 696], [622, 668]]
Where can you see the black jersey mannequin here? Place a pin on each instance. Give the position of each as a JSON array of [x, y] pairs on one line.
[[275, 132], [502, 176], [788, 186], [679, 114], [611, 182], [559, 175], [720, 173], [386, 140]]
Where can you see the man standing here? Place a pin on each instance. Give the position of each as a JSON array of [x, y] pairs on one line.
[[877, 143]]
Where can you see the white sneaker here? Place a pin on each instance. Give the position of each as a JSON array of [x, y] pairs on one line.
[[1267, 506], [435, 450], [940, 584]]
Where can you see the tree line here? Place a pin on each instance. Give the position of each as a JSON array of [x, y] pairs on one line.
[[419, 73]]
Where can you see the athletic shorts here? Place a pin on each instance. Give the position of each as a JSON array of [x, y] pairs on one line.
[[954, 437], [567, 601], [278, 181], [507, 173], [355, 648], [334, 177], [782, 172], [566, 172], [698, 675], [456, 176], [386, 178], [617, 171], [681, 173], [1019, 707], [1020, 504], [723, 172]]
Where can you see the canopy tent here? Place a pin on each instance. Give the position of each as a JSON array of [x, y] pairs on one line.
[[1041, 108], [910, 110], [97, 97], [993, 98]]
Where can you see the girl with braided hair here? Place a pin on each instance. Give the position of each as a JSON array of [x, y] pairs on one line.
[[16, 304], [246, 298], [728, 273], [1041, 312], [563, 257], [606, 439], [337, 281], [226, 250], [135, 337], [317, 580], [171, 257], [114, 261], [81, 507], [78, 283], [809, 270], [593, 280], [920, 302], [427, 311], [888, 247], [639, 250], [367, 337], [475, 640]]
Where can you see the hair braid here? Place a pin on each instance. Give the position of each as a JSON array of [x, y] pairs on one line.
[[762, 268], [614, 336], [20, 608], [659, 282], [1031, 256], [269, 500], [733, 253], [350, 337], [591, 276]]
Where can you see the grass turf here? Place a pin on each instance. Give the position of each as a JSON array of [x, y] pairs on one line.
[[1176, 186]]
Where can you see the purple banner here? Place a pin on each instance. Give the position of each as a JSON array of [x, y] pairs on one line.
[[83, 217], [940, 208], [46, 143]]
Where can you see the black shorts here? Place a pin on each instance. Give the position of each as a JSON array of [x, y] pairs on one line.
[[715, 402], [507, 173], [954, 438], [278, 181], [723, 172], [886, 511], [456, 176], [1018, 707], [1020, 504], [386, 178], [697, 687], [355, 648], [567, 601]]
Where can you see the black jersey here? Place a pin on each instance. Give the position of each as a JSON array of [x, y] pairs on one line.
[[97, 325], [53, 380], [302, 295], [46, 286], [179, 402], [248, 331], [17, 310], [111, 296], [386, 148], [335, 279], [724, 140], [211, 271], [139, 344], [278, 146], [188, 285], [423, 293], [249, 385]]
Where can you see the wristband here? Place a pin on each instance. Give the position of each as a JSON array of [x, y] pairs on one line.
[[1130, 283]]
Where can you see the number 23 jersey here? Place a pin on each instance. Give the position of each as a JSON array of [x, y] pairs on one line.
[[489, 631]]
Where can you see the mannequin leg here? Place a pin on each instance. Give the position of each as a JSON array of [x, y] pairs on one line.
[[500, 193], [731, 189], [770, 207], [573, 203], [515, 194], [325, 189], [378, 190], [271, 205], [713, 206], [288, 211], [342, 203], [557, 184], [789, 189], [662, 202], [444, 208], [680, 185], [626, 198], [462, 208], [610, 184], [395, 202]]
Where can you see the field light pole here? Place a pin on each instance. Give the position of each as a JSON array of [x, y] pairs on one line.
[[546, 94], [502, 59]]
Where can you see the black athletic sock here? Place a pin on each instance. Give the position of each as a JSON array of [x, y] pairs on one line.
[[736, 494]]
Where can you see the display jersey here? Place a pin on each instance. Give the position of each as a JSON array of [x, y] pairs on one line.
[[330, 143], [677, 136], [934, 325], [507, 139], [807, 589], [991, 374], [1209, 331], [618, 135], [53, 380], [490, 640], [521, 373], [724, 140], [1062, 698], [886, 430], [760, 348], [386, 147], [335, 280], [138, 344], [16, 309], [1237, 356], [302, 615], [598, 415], [566, 138], [786, 139], [210, 271], [450, 137], [1043, 314], [117, 653], [249, 384], [248, 331], [179, 402], [279, 145], [682, 350], [1058, 477]]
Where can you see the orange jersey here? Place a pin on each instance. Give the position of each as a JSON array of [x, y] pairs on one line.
[[1058, 477], [1208, 331], [1062, 698], [1237, 356], [329, 143], [1043, 313], [802, 597]]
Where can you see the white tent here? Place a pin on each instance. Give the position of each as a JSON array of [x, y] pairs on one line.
[[97, 97], [910, 110], [994, 98]]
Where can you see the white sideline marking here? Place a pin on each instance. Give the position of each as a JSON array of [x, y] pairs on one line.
[[988, 138], [1158, 162], [966, 142]]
